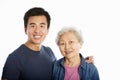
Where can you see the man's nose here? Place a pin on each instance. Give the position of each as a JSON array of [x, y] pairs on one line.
[[37, 29]]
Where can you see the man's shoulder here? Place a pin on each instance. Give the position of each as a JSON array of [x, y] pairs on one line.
[[47, 49], [17, 51], [49, 52]]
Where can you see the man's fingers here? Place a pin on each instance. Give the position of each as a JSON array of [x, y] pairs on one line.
[[90, 59]]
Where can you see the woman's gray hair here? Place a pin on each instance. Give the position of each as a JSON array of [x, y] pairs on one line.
[[77, 32]]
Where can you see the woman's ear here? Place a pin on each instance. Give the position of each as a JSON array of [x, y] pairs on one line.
[[80, 45]]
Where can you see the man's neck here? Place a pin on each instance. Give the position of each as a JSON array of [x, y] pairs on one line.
[[32, 46]]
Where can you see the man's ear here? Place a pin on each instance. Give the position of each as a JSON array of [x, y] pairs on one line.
[[47, 31], [25, 29]]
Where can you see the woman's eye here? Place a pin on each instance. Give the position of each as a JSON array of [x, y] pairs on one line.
[[61, 43], [71, 42]]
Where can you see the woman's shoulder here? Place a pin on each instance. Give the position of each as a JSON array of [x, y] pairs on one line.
[[91, 65], [59, 62]]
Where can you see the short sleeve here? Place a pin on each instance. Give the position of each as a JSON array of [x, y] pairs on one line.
[[11, 69]]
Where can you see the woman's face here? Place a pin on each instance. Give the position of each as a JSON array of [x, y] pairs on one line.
[[69, 45]]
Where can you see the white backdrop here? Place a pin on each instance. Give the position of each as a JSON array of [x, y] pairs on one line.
[[99, 21]]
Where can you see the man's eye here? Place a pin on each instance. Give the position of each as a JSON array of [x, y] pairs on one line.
[[32, 26], [42, 26]]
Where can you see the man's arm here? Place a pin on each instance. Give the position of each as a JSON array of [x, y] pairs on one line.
[[89, 59], [4, 79]]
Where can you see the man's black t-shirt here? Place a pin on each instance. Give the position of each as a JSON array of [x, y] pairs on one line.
[[26, 64]]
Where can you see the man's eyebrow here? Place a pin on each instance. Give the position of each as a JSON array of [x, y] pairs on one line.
[[42, 24], [32, 23]]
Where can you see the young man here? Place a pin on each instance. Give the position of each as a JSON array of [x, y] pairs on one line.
[[32, 60]]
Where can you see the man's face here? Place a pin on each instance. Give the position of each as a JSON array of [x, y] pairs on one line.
[[36, 29]]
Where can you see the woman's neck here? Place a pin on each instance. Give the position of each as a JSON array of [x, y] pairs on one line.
[[72, 62]]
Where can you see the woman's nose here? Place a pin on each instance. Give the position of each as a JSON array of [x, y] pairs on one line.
[[67, 46]]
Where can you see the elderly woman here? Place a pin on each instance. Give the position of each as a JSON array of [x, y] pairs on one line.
[[73, 65]]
